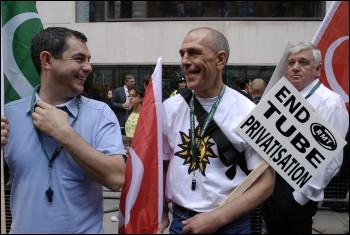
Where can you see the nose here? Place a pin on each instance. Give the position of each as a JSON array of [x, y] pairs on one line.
[[296, 66], [87, 67], [185, 59]]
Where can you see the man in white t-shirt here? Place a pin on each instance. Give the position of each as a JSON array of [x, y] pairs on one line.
[[196, 183]]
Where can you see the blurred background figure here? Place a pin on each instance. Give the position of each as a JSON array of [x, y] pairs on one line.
[[181, 84], [243, 87], [120, 98], [136, 97], [257, 89]]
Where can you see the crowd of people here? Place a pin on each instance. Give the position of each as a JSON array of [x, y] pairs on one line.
[[61, 147]]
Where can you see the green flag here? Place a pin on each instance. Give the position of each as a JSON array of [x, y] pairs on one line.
[[20, 22]]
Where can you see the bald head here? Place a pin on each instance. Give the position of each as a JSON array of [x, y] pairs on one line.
[[216, 40], [257, 87]]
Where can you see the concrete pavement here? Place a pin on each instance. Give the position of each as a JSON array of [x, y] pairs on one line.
[[326, 220]]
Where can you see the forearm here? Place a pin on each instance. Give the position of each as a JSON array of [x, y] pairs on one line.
[[253, 197], [109, 171], [116, 105]]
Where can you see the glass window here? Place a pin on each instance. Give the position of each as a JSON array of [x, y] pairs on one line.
[[106, 77], [103, 11]]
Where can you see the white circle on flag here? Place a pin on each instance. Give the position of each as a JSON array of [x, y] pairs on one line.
[[13, 73], [329, 68]]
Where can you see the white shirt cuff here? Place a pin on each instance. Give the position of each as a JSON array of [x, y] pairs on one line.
[[300, 198]]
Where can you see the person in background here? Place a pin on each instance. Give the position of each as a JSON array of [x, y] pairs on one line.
[[194, 187], [109, 99], [289, 211], [120, 98], [136, 97], [243, 87], [58, 144], [257, 88], [181, 84]]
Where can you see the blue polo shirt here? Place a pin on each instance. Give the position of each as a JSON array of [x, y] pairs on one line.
[[77, 205]]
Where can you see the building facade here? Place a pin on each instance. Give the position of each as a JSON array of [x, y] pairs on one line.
[[129, 36]]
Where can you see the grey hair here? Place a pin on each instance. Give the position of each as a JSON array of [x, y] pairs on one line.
[[217, 39], [316, 53]]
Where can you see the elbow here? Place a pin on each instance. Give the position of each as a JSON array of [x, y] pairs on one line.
[[271, 176], [117, 183], [117, 178]]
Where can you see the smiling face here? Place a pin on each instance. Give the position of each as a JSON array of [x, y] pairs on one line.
[[70, 72], [200, 64], [302, 69]]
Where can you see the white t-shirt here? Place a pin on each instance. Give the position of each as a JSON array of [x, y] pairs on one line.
[[212, 185]]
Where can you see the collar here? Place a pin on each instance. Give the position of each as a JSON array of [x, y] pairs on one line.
[[304, 92], [70, 106]]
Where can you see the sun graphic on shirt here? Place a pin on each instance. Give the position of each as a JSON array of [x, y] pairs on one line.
[[205, 152]]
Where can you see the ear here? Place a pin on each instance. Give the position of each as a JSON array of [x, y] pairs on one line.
[[221, 59], [46, 60], [318, 71]]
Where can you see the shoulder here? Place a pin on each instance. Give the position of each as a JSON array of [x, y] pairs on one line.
[[119, 89], [94, 105], [233, 98], [19, 105], [174, 102], [327, 94]]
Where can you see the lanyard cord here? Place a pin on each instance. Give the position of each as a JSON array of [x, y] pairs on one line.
[[313, 89], [58, 147], [196, 144]]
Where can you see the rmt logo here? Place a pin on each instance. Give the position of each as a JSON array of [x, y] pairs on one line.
[[323, 136]]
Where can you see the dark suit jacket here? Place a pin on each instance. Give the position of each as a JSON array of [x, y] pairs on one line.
[[245, 94], [119, 98]]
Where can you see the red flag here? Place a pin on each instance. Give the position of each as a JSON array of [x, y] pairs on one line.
[[332, 38], [141, 201]]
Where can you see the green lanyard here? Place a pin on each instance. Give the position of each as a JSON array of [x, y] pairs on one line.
[[313, 89], [195, 143], [49, 191]]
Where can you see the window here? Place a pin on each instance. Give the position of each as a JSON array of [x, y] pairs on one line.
[[104, 11], [106, 77]]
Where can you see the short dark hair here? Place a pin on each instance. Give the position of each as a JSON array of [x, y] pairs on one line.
[[139, 91], [128, 77], [242, 82], [54, 41]]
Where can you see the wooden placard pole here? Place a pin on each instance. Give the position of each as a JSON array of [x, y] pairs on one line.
[[246, 183]]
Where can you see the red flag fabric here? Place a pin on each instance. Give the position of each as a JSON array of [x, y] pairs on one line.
[[332, 38], [141, 200]]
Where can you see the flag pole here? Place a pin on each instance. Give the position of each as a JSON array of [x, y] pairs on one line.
[[3, 214]]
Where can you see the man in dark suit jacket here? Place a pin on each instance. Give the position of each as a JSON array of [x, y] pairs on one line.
[[243, 87], [120, 99]]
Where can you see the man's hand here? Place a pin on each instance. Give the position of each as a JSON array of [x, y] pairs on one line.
[[50, 120], [5, 129]]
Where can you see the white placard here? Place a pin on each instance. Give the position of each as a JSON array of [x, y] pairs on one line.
[[289, 135]]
